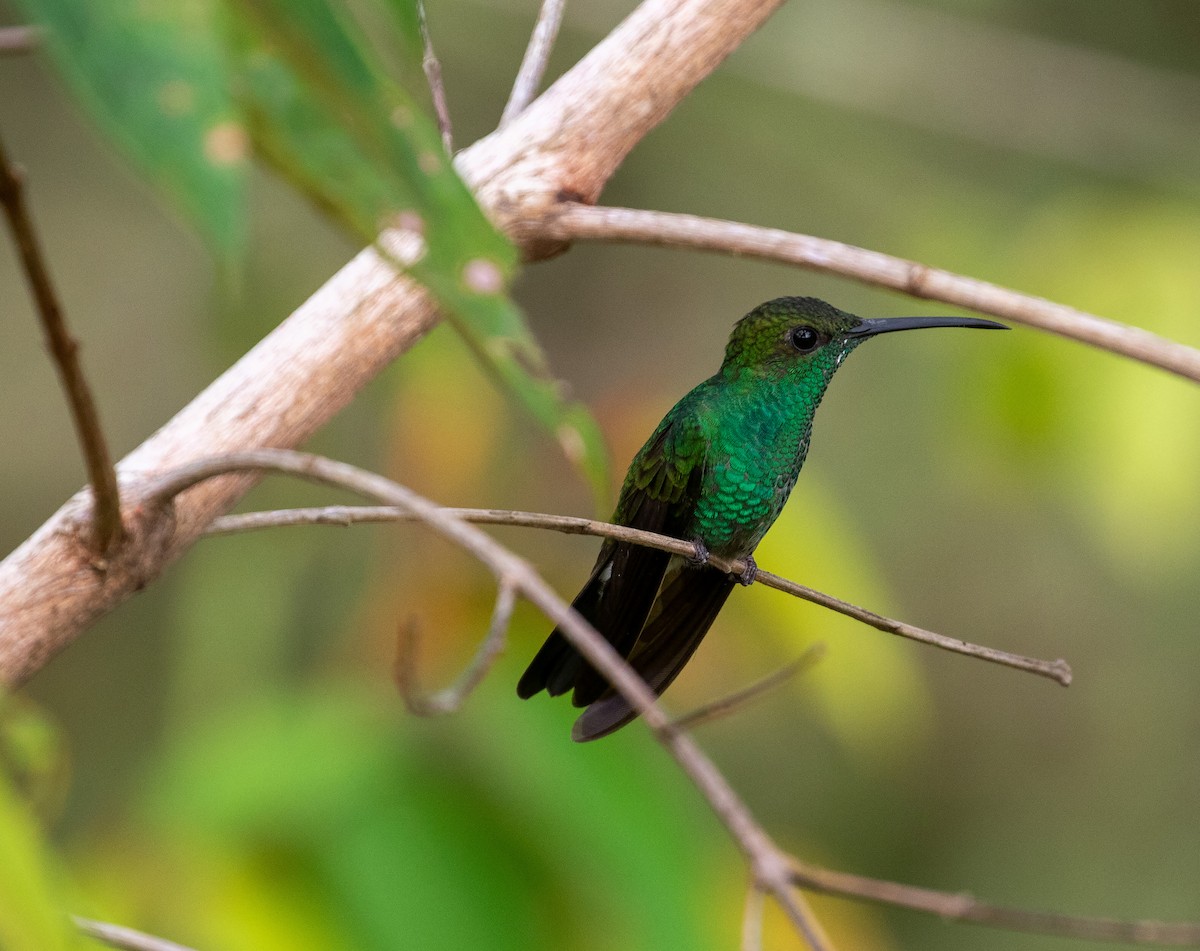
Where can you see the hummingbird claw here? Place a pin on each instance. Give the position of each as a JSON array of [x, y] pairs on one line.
[[700, 557], [749, 573]]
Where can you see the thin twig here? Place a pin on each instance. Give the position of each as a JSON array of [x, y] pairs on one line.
[[1056, 670], [19, 39], [724, 706], [437, 88], [769, 865], [537, 55], [574, 221], [961, 907], [106, 515], [452, 698], [752, 918], [118, 936]]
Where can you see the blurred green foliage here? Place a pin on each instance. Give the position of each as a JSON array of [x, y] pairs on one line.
[[242, 776], [186, 88]]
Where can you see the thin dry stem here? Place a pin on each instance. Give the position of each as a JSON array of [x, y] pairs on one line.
[[451, 699], [1056, 670], [118, 936], [106, 513], [726, 706], [437, 88], [537, 55], [962, 907], [872, 267], [752, 918], [19, 39]]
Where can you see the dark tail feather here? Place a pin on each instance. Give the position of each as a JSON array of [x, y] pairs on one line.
[[616, 600], [554, 669], [688, 606]]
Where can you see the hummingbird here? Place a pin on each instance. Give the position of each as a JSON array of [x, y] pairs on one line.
[[716, 473]]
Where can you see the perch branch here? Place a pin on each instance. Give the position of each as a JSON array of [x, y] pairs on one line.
[[106, 518], [770, 866], [312, 365], [1056, 670], [774, 871], [574, 221], [537, 55]]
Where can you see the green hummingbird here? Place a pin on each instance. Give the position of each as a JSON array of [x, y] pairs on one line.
[[716, 472]]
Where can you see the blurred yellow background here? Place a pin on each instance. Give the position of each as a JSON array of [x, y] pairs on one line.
[[242, 774]]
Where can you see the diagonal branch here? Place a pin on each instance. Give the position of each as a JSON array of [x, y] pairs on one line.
[[106, 518], [872, 267], [1056, 670], [570, 140]]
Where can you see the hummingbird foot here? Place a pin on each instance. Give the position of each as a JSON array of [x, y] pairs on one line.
[[700, 554], [749, 573]]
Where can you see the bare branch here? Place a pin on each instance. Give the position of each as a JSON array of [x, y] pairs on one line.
[[872, 267], [19, 39], [537, 55], [775, 871], [770, 866], [437, 88], [1057, 670], [106, 518], [961, 907], [118, 936], [731, 704], [453, 697], [570, 139]]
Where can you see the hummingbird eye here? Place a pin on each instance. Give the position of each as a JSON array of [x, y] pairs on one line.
[[804, 339]]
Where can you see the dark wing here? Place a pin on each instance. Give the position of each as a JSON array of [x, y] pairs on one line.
[[658, 496], [690, 601]]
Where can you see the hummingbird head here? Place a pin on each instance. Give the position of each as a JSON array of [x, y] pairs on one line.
[[804, 340]]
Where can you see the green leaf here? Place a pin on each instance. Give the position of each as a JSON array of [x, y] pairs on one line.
[[179, 83], [329, 119], [152, 75]]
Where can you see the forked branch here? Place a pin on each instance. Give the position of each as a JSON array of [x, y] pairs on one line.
[[1056, 670], [767, 862], [774, 872]]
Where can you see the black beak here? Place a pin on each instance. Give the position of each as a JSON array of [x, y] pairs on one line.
[[886, 325]]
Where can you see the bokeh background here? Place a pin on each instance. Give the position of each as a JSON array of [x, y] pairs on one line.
[[235, 769]]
